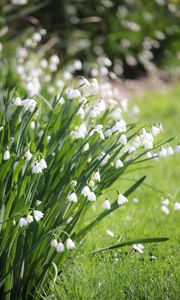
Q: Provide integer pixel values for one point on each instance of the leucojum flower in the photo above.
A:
(122, 200)
(6, 155)
(38, 166)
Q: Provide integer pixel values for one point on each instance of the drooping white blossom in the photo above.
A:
(23, 222)
(169, 151)
(105, 159)
(73, 93)
(108, 132)
(123, 139)
(91, 196)
(165, 209)
(43, 163)
(120, 126)
(86, 147)
(36, 168)
(148, 154)
(146, 139)
(176, 206)
(72, 197)
(54, 243)
(69, 220)
(70, 244)
(122, 199)
(97, 176)
(29, 104)
(29, 219)
(165, 202)
(98, 109)
(38, 215)
(156, 130)
(32, 125)
(60, 247)
(17, 101)
(85, 191)
(110, 233)
(138, 248)
(79, 133)
(6, 155)
(61, 100)
(99, 130)
(106, 204)
(81, 112)
(162, 152)
(119, 164)
(177, 149)
(28, 155)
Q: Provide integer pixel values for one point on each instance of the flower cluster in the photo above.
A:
(38, 166)
(165, 206)
(24, 221)
(60, 247)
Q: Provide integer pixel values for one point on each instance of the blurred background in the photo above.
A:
(125, 39)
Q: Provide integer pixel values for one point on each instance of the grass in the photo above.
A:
(123, 274)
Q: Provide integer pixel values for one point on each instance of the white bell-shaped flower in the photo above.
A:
(29, 104)
(29, 219)
(54, 243)
(123, 139)
(108, 132)
(177, 149)
(17, 101)
(85, 191)
(6, 155)
(169, 151)
(162, 152)
(36, 168)
(60, 247)
(120, 126)
(106, 204)
(155, 130)
(122, 200)
(138, 248)
(38, 215)
(43, 163)
(70, 244)
(119, 164)
(91, 197)
(165, 202)
(72, 197)
(165, 209)
(23, 222)
(176, 206)
(97, 176)
(110, 233)
(28, 155)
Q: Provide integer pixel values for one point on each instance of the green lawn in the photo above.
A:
(126, 275)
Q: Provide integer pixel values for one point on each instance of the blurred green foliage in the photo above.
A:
(136, 35)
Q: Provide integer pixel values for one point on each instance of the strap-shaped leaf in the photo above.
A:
(138, 241)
